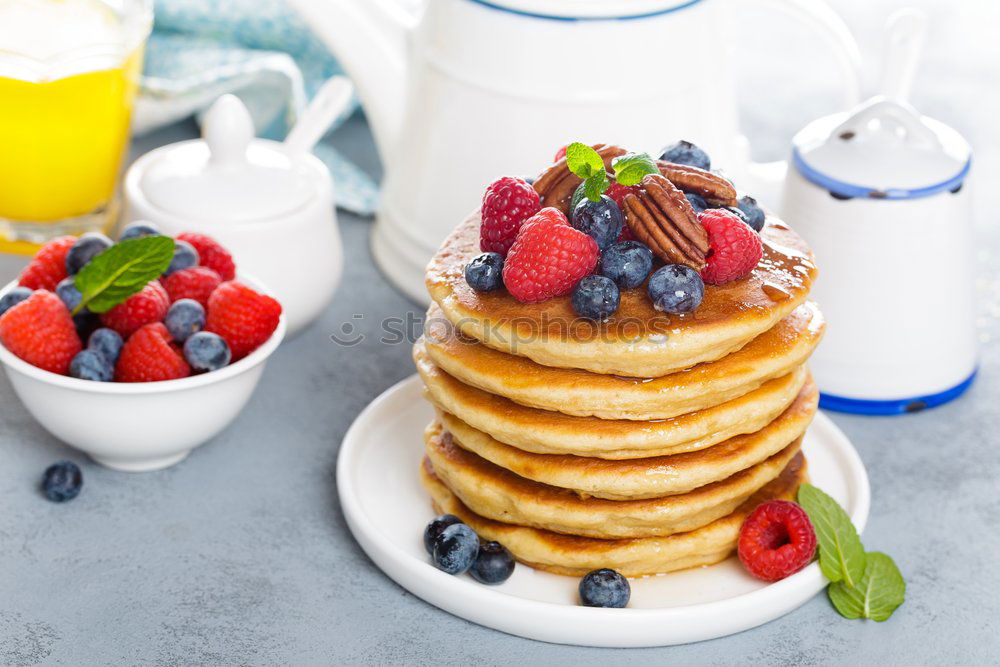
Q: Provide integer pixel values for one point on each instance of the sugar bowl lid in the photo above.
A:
(883, 149)
(228, 175)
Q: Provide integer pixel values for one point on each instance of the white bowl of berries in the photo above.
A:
(135, 352)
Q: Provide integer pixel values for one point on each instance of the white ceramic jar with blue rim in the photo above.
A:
(880, 193)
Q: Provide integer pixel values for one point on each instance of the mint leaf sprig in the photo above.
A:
(121, 271)
(586, 163)
(862, 584)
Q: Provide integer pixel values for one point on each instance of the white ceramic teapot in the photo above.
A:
(270, 203)
(474, 89)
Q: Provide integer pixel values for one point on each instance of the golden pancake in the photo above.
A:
(496, 493)
(774, 353)
(642, 478)
(576, 556)
(637, 341)
(546, 432)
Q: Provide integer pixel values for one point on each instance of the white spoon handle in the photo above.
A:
(325, 106)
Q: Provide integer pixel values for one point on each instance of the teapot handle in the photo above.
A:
(766, 178)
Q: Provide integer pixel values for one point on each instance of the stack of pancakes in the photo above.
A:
(638, 444)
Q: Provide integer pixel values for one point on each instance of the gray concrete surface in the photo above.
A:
(240, 554)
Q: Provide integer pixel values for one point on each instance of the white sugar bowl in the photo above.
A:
(881, 195)
(269, 203)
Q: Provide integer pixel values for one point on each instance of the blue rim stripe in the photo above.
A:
(854, 190)
(552, 17)
(860, 406)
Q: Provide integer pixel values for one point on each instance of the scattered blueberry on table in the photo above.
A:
(62, 481)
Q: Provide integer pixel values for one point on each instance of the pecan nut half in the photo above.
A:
(716, 190)
(661, 217)
(557, 184)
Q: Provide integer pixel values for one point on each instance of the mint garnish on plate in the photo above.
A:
(121, 271)
(862, 585)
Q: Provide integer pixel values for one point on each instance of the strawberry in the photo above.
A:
(734, 247)
(507, 203)
(196, 282)
(48, 266)
(148, 305)
(243, 317)
(149, 356)
(40, 331)
(548, 258)
(211, 254)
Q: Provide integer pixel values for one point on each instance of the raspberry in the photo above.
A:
(41, 331)
(196, 282)
(148, 305)
(548, 258)
(148, 356)
(618, 191)
(48, 266)
(735, 248)
(243, 317)
(211, 254)
(507, 203)
(776, 540)
(561, 153)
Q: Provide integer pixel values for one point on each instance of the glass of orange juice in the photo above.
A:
(69, 70)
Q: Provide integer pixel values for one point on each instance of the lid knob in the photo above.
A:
(227, 129)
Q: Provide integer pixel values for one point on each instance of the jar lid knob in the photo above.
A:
(227, 129)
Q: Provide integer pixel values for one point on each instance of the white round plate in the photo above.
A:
(387, 509)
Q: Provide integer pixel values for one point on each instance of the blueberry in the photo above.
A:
(676, 288)
(604, 588)
(70, 295)
(91, 365)
(15, 296)
(485, 272)
(493, 565)
(62, 481)
(684, 152)
(185, 317)
(627, 263)
(86, 323)
(85, 249)
(106, 342)
(455, 549)
(595, 298)
(698, 202)
(139, 230)
(752, 211)
(185, 256)
(737, 212)
(602, 220)
(435, 527)
(206, 351)
(530, 180)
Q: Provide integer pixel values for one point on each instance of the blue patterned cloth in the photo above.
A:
(259, 50)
